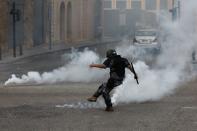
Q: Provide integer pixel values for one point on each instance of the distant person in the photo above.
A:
(117, 66)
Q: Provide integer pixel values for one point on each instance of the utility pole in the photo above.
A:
(50, 24)
(99, 20)
(176, 10)
(179, 9)
(16, 17)
(0, 53)
(13, 13)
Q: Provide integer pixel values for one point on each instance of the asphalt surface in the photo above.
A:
(35, 107)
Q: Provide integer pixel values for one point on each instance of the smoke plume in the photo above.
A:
(77, 70)
(170, 70)
(173, 65)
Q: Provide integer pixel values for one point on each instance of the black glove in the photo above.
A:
(136, 77)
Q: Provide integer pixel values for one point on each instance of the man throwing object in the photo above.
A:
(117, 66)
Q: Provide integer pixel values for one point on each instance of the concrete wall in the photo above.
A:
(3, 24)
(114, 17)
(28, 23)
(82, 20)
(111, 23)
(42, 21)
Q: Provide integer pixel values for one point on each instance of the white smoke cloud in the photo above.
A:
(77, 70)
(154, 84)
(173, 65)
(170, 71)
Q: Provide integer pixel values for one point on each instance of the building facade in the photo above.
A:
(124, 16)
(48, 22)
(73, 20)
(3, 25)
(138, 4)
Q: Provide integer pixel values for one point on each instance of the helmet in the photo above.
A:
(110, 53)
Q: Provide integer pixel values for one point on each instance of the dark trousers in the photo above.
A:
(105, 89)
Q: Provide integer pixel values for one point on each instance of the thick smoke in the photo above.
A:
(171, 68)
(77, 70)
(173, 65)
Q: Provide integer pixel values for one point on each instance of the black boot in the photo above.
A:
(109, 109)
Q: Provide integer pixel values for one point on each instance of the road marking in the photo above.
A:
(65, 105)
(190, 107)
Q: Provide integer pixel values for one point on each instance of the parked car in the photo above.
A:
(146, 43)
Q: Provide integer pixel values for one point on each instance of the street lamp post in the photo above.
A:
(179, 9)
(13, 13)
(50, 24)
(16, 13)
(176, 10)
(0, 53)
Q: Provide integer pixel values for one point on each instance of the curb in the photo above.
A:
(47, 51)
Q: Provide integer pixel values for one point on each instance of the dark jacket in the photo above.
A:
(117, 66)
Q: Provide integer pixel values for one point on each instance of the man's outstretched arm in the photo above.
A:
(102, 66)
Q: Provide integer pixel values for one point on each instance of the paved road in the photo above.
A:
(34, 107)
